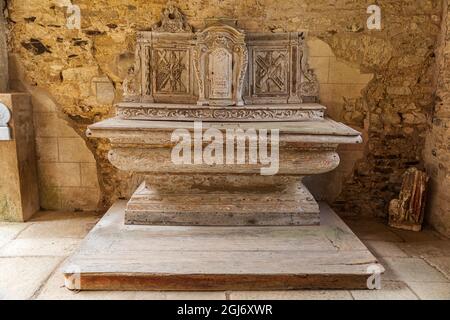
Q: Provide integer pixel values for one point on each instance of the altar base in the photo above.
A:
(115, 256)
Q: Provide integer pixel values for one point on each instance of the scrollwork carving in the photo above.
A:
(172, 20)
(219, 114)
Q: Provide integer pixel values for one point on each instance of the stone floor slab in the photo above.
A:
(410, 269)
(384, 249)
(440, 263)
(40, 247)
(424, 275)
(438, 248)
(292, 295)
(372, 229)
(47, 216)
(390, 290)
(431, 290)
(21, 277)
(73, 228)
(9, 231)
(412, 236)
(179, 295)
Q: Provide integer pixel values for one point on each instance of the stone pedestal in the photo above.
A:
(19, 198)
(222, 200)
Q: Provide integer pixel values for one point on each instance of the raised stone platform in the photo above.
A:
(115, 256)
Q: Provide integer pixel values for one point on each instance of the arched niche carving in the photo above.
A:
(220, 64)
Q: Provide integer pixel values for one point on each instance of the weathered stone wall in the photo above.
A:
(83, 69)
(4, 79)
(437, 146)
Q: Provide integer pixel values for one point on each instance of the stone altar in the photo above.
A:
(231, 81)
(215, 213)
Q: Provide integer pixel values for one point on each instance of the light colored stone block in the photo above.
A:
(21, 277)
(104, 90)
(431, 290)
(427, 249)
(321, 67)
(41, 101)
(390, 290)
(49, 197)
(334, 95)
(343, 73)
(46, 124)
(49, 124)
(411, 269)
(89, 176)
(291, 295)
(47, 149)
(69, 226)
(85, 199)
(440, 263)
(425, 235)
(65, 130)
(80, 74)
(319, 48)
(372, 229)
(9, 231)
(385, 249)
(74, 150)
(53, 247)
(179, 295)
(60, 174)
(325, 95)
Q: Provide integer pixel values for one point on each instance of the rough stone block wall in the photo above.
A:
(83, 70)
(4, 79)
(437, 146)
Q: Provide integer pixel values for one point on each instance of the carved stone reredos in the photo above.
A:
(219, 66)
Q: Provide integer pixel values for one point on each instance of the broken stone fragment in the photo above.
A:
(407, 211)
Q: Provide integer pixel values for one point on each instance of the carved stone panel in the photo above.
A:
(271, 71)
(171, 74)
(278, 71)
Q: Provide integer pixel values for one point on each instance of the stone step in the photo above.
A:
(119, 257)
